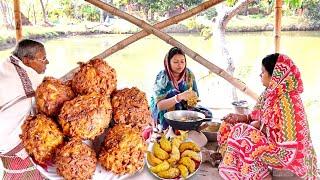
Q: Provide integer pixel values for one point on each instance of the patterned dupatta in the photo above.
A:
(285, 119)
(286, 144)
(283, 106)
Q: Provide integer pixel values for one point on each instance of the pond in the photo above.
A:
(138, 64)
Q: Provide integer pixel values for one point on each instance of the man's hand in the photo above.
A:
(235, 118)
(256, 124)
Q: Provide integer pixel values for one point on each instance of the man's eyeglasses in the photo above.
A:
(44, 59)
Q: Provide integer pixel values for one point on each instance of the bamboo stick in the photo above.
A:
(170, 40)
(17, 17)
(277, 27)
(141, 34)
(124, 43)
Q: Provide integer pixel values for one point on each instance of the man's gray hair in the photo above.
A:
(27, 48)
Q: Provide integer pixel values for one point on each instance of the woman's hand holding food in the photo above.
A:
(185, 95)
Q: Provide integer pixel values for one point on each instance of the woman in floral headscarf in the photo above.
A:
(276, 134)
(173, 86)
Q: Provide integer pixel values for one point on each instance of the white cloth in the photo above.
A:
(11, 88)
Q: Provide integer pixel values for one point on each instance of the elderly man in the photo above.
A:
(20, 75)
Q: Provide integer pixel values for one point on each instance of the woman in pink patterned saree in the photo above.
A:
(275, 134)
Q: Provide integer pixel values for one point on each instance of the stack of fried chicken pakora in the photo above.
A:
(82, 109)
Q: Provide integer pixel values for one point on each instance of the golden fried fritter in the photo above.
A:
(189, 163)
(192, 154)
(152, 160)
(189, 145)
(123, 150)
(76, 160)
(171, 173)
(95, 76)
(158, 152)
(160, 167)
(130, 106)
(183, 170)
(41, 137)
(86, 116)
(193, 100)
(174, 156)
(165, 144)
(51, 94)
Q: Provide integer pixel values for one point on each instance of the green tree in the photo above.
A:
(312, 10)
(89, 12)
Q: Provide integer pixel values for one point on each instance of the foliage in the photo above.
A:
(293, 4)
(231, 2)
(312, 10)
(210, 13)
(266, 6)
(120, 2)
(68, 8)
(90, 13)
(192, 24)
(160, 6)
(74, 10)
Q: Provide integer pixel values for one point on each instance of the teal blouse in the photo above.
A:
(164, 89)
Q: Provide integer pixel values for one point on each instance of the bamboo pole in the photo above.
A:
(17, 17)
(141, 34)
(277, 27)
(170, 40)
(131, 39)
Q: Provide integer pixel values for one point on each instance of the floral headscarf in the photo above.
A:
(283, 91)
(168, 70)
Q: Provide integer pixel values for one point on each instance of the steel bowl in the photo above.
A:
(211, 131)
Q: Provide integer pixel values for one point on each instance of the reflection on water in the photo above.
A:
(138, 64)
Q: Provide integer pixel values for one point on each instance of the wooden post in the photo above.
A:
(170, 40)
(277, 25)
(17, 17)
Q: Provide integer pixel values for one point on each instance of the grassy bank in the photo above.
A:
(255, 23)
(237, 24)
(7, 37)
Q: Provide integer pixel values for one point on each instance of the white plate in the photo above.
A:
(100, 173)
(150, 146)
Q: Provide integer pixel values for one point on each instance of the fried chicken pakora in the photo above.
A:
(95, 76)
(51, 94)
(41, 137)
(86, 116)
(123, 150)
(130, 106)
(76, 160)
